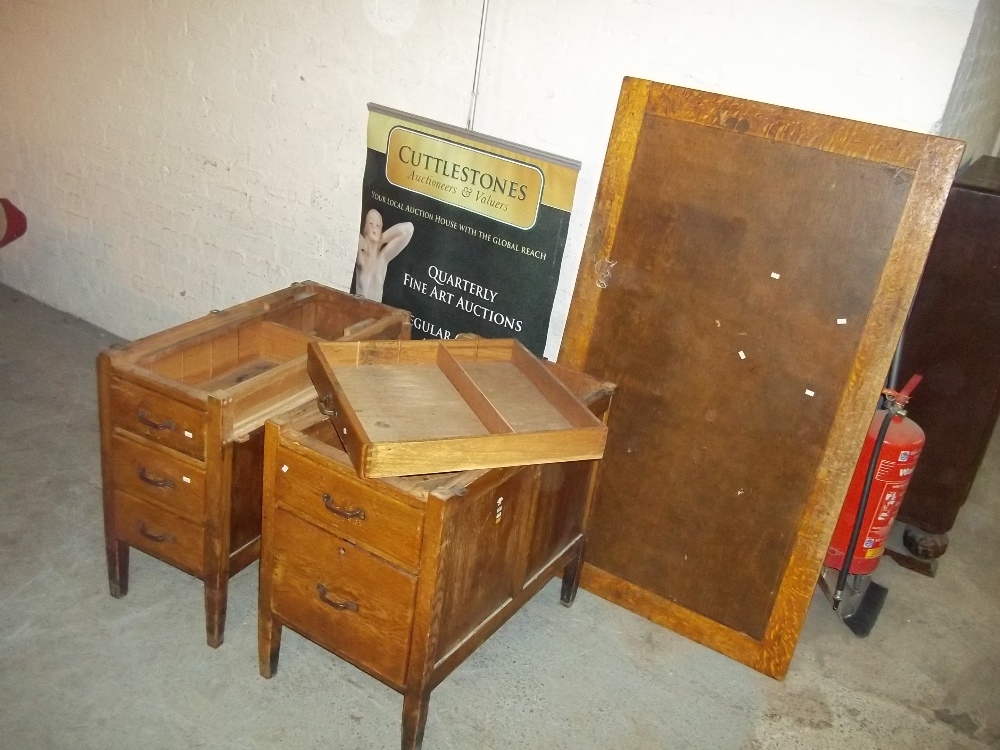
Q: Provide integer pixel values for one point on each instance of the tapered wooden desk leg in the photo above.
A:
(571, 578)
(117, 551)
(415, 704)
(268, 644)
(215, 611)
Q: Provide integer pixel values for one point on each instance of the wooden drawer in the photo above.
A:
(159, 533)
(152, 474)
(331, 495)
(342, 597)
(158, 418)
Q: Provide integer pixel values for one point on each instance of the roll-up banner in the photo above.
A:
(465, 231)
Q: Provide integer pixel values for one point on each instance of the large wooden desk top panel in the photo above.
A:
(746, 274)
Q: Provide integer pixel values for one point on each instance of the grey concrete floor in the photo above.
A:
(79, 669)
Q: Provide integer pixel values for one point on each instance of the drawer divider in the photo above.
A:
(481, 406)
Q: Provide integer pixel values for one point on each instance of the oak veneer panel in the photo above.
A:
(331, 323)
(485, 544)
(728, 239)
(250, 342)
(198, 363)
(225, 353)
(407, 402)
(247, 486)
(171, 367)
(557, 522)
(519, 402)
(744, 439)
(376, 634)
(291, 317)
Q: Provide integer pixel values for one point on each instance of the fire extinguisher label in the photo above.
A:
(886, 470)
(904, 455)
(882, 522)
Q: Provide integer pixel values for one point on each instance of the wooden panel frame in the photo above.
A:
(934, 161)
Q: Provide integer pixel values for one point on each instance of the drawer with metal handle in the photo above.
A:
(347, 600)
(159, 533)
(150, 473)
(332, 496)
(159, 418)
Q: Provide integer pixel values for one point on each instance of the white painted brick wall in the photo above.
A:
(175, 156)
(973, 110)
(890, 63)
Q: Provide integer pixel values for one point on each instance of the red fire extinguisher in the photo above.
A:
(876, 490)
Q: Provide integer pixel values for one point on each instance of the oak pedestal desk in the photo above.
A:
(181, 428)
(405, 577)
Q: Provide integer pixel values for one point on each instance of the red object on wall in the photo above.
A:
(896, 461)
(13, 224)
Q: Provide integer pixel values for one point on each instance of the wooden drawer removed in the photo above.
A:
(347, 600)
(426, 407)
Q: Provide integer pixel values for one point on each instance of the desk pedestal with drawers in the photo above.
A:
(181, 428)
(406, 577)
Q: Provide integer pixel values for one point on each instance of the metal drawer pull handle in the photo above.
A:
(154, 537)
(326, 408)
(343, 606)
(358, 513)
(144, 418)
(145, 477)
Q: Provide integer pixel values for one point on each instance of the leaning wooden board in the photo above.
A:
(746, 275)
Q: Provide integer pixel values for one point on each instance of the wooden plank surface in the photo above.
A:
(407, 402)
(250, 369)
(516, 398)
(745, 277)
(483, 452)
(718, 378)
